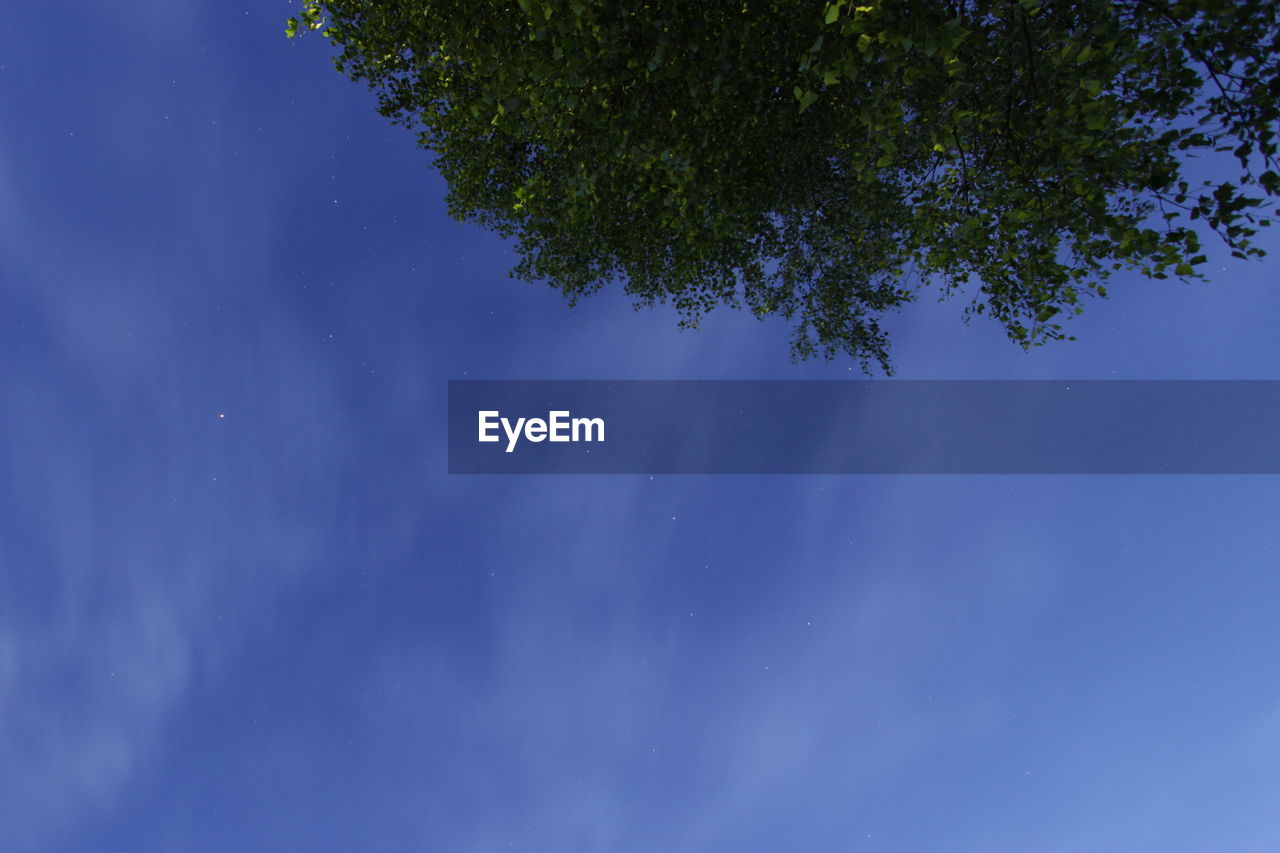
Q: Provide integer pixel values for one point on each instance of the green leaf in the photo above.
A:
(1015, 154)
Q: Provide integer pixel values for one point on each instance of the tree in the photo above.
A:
(822, 162)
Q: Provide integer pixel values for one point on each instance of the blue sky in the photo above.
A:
(243, 606)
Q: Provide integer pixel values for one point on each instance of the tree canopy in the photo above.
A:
(823, 161)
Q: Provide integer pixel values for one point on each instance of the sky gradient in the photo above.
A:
(244, 607)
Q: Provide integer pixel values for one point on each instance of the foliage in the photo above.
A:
(811, 160)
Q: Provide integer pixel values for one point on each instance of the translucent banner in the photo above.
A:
(864, 427)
